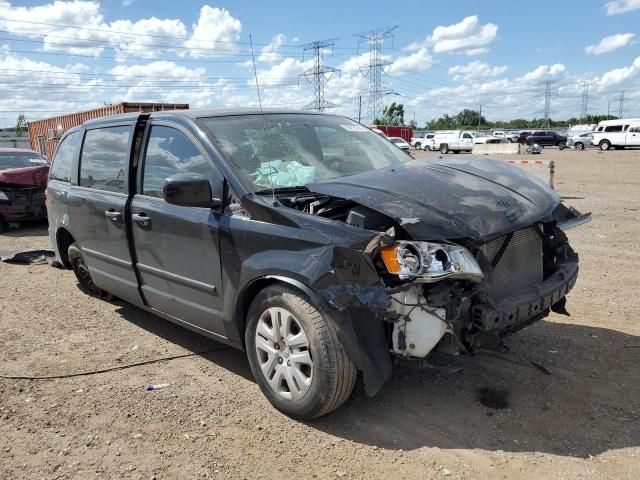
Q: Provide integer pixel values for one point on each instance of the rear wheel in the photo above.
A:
(295, 354)
(605, 145)
(444, 148)
(417, 146)
(79, 267)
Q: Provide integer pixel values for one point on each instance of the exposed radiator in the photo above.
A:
(520, 266)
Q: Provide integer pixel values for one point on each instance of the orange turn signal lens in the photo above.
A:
(390, 258)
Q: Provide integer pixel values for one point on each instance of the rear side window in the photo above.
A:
(105, 159)
(63, 160)
(169, 151)
(613, 128)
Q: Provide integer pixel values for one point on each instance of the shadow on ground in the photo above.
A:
(37, 228)
(585, 403)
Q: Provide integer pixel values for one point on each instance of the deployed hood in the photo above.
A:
(460, 197)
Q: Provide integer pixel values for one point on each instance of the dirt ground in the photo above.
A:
(582, 420)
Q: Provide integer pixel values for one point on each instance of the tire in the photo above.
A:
(578, 146)
(80, 269)
(605, 145)
(444, 148)
(330, 374)
(417, 146)
(562, 145)
(509, 140)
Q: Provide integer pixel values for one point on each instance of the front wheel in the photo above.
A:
(295, 354)
(417, 146)
(578, 146)
(605, 145)
(444, 148)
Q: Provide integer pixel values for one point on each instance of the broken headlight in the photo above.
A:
(430, 262)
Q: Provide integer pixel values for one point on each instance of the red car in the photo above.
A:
(23, 180)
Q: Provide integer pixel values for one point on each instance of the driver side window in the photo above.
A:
(169, 151)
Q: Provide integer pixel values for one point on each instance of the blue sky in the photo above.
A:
(62, 56)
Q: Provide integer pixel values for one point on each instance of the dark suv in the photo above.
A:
(546, 138)
(308, 241)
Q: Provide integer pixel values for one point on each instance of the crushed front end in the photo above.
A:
(463, 295)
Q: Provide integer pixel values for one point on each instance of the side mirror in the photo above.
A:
(189, 190)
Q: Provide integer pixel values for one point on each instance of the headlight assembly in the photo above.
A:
(429, 262)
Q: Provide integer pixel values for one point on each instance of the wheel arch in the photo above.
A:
(255, 286)
(64, 239)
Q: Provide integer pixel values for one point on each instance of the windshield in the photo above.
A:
(397, 140)
(293, 150)
(20, 160)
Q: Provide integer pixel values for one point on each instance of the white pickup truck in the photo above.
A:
(422, 143)
(617, 133)
(460, 140)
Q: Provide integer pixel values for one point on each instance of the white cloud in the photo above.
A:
(214, 33)
(610, 44)
(475, 70)
(285, 72)
(621, 6)
(619, 75)
(271, 51)
(414, 62)
(158, 69)
(215, 29)
(545, 72)
(468, 37)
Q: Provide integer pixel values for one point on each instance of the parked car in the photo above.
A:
(617, 133)
(422, 143)
(483, 138)
(23, 179)
(580, 141)
(307, 241)
(400, 143)
(546, 138)
(522, 135)
(509, 137)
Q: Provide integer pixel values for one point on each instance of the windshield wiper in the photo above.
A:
(268, 191)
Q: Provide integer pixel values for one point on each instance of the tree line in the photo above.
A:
(468, 119)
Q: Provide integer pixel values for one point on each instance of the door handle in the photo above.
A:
(114, 216)
(141, 219)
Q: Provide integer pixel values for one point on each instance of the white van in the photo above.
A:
(617, 133)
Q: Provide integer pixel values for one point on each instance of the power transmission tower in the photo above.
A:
(548, 84)
(375, 69)
(319, 74)
(621, 104)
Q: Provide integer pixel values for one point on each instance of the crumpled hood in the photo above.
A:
(453, 197)
(27, 176)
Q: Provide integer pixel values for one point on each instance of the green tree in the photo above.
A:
(393, 114)
(21, 125)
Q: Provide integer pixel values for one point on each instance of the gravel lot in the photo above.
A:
(580, 421)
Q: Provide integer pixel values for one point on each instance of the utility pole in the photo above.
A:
(480, 117)
(375, 69)
(621, 104)
(319, 74)
(359, 108)
(547, 102)
(609, 111)
(585, 99)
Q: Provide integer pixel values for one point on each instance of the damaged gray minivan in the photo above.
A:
(307, 240)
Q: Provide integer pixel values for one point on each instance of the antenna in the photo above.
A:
(264, 130)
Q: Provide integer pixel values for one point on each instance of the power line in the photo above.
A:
(318, 75)
(375, 69)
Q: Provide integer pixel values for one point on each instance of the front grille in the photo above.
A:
(519, 268)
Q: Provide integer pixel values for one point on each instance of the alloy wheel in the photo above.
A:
(283, 352)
